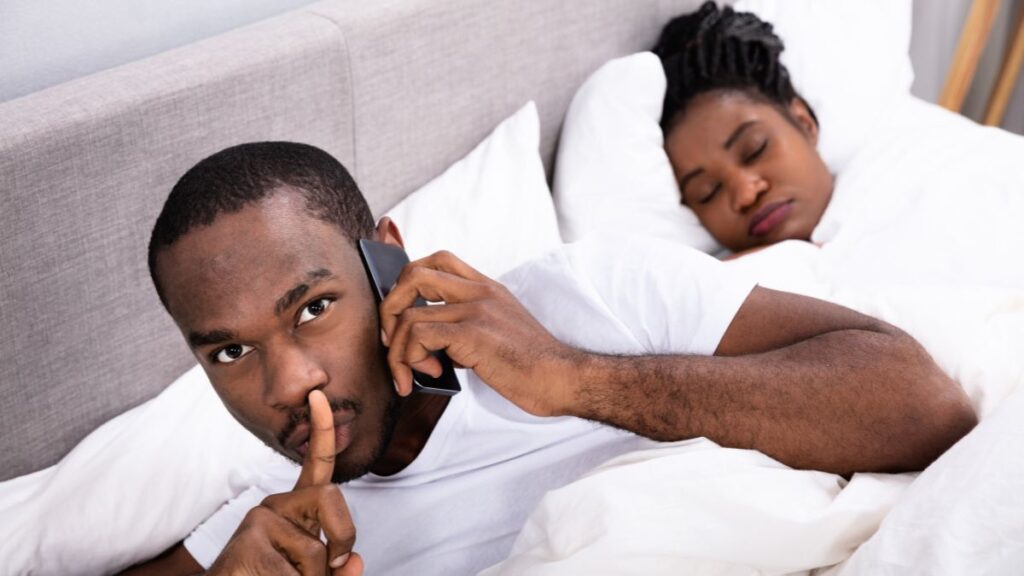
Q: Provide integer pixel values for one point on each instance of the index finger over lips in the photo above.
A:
(318, 466)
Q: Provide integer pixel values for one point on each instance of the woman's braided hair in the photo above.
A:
(714, 49)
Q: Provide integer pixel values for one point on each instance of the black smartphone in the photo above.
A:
(383, 263)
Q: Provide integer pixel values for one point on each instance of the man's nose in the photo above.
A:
(747, 189)
(291, 372)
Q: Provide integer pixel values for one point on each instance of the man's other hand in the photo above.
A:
(282, 534)
(481, 326)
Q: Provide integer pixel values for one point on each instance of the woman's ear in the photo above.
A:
(804, 118)
(387, 232)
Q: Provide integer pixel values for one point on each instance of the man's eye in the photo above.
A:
(314, 309)
(230, 353)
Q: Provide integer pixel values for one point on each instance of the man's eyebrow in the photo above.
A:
(292, 296)
(197, 339)
(737, 133)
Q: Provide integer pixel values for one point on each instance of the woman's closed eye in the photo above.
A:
(756, 153)
(313, 309)
(710, 195)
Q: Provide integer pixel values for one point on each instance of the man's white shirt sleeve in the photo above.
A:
(207, 541)
(674, 299)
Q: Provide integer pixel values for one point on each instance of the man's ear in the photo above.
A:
(804, 118)
(387, 232)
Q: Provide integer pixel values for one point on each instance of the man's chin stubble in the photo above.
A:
(347, 471)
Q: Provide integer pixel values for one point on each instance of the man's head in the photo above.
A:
(741, 141)
(254, 256)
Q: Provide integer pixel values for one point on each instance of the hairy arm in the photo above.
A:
(810, 383)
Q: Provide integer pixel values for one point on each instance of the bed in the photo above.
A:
(407, 94)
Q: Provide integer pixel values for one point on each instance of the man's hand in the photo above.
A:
(481, 326)
(282, 534)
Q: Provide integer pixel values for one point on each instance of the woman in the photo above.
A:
(741, 141)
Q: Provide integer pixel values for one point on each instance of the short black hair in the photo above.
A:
(721, 49)
(244, 175)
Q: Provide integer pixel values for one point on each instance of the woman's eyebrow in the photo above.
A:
(689, 176)
(737, 133)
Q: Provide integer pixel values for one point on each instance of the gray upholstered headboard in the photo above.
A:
(396, 89)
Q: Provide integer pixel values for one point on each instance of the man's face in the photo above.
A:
(749, 171)
(275, 303)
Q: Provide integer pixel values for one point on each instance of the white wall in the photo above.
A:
(46, 42)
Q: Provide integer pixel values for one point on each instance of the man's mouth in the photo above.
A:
(299, 439)
(769, 217)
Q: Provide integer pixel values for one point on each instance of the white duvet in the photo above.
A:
(926, 231)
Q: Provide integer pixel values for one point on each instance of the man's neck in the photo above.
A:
(417, 417)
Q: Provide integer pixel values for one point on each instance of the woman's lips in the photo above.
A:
(768, 218)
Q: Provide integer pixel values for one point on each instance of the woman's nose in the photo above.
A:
(290, 374)
(747, 190)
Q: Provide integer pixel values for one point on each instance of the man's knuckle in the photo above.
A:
(481, 308)
(492, 290)
(327, 491)
(415, 274)
(314, 550)
(408, 316)
(265, 509)
(346, 537)
(415, 331)
(324, 458)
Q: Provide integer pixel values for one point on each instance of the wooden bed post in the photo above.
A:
(968, 52)
(1008, 74)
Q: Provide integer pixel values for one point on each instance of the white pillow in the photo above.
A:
(144, 480)
(492, 209)
(850, 59)
(132, 488)
(612, 175)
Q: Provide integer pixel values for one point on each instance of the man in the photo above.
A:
(574, 358)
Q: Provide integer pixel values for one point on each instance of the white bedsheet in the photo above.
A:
(926, 231)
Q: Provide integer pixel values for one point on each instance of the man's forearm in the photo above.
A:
(843, 401)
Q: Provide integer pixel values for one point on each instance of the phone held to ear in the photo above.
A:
(384, 263)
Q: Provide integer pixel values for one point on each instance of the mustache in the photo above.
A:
(302, 416)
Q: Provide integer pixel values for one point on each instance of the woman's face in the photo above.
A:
(752, 175)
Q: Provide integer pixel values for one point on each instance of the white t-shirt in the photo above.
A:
(457, 508)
